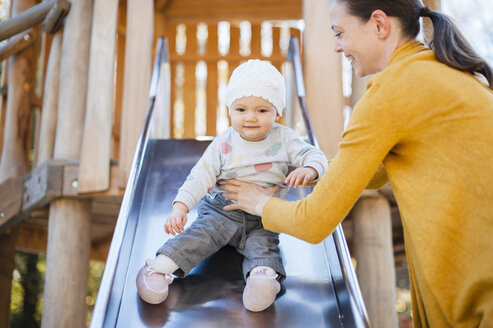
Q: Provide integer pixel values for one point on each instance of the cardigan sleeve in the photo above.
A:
(375, 127)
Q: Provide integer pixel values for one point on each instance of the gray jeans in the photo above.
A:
(215, 228)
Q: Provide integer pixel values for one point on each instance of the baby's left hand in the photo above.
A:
(301, 176)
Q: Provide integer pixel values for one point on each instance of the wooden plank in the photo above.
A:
(189, 87)
(3, 104)
(96, 140)
(10, 199)
(276, 48)
(212, 83)
(21, 20)
(70, 183)
(160, 122)
(323, 77)
(189, 96)
(374, 254)
(50, 102)
(67, 263)
(42, 185)
(256, 41)
(73, 80)
(171, 35)
(193, 11)
(186, 58)
(14, 161)
(69, 220)
(7, 265)
(15, 44)
(119, 78)
(18, 117)
(138, 64)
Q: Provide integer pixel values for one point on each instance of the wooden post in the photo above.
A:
(7, 265)
(69, 222)
(119, 73)
(50, 101)
(190, 85)
(94, 170)
(3, 106)
(212, 85)
(138, 64)
(372, 233)
(323, 76)
(14, 160)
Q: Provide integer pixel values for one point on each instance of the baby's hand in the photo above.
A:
(176, 221)
(301, 176)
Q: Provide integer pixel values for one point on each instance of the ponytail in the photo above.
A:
(452, 49)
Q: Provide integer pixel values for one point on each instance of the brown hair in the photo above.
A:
(450, 46)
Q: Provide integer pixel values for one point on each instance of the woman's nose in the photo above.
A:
(337, 46)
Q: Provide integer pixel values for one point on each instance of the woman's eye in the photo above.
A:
(338, 35)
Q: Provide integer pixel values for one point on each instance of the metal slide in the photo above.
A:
(320, 289)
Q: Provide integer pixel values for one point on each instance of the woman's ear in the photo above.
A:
(381, 22)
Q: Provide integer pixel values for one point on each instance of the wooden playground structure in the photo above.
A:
(76, 76)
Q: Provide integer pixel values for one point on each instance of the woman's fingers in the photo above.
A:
(231, 207)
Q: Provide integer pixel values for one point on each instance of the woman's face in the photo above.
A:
(357, 40)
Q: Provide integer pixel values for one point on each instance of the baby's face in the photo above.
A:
(253, 117)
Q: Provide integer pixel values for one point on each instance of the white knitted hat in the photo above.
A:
(260, 79)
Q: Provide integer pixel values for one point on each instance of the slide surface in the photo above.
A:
(314, 294)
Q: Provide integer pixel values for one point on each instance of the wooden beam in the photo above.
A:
(15, 45)
(119, 76)
(255, 11)
(138, 63)
(50, 102)
(10, 198)
(96, 143)
(25, 19)
(212, 81)
(67, 263)
(67, 257)
(7, 265)
(53, 179)
(375, 258)
(14, 160)
(161, 5)
(323, 76)
(34, 238)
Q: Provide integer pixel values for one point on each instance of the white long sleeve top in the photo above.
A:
(263, 162)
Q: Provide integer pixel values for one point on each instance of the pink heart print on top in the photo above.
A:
(263, 167)
(226, 147)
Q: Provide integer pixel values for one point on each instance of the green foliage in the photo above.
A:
(26, 305)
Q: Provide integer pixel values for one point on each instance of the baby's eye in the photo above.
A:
(239, 109)
(263, 110)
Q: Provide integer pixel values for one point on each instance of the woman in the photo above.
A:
(427, 115)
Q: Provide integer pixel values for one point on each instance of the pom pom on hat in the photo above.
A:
(260, 79)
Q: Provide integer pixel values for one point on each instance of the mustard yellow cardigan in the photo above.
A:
(432, 128)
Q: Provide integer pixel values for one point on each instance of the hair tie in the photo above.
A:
(425, 11)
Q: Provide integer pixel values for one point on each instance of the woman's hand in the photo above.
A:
(248, 197)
